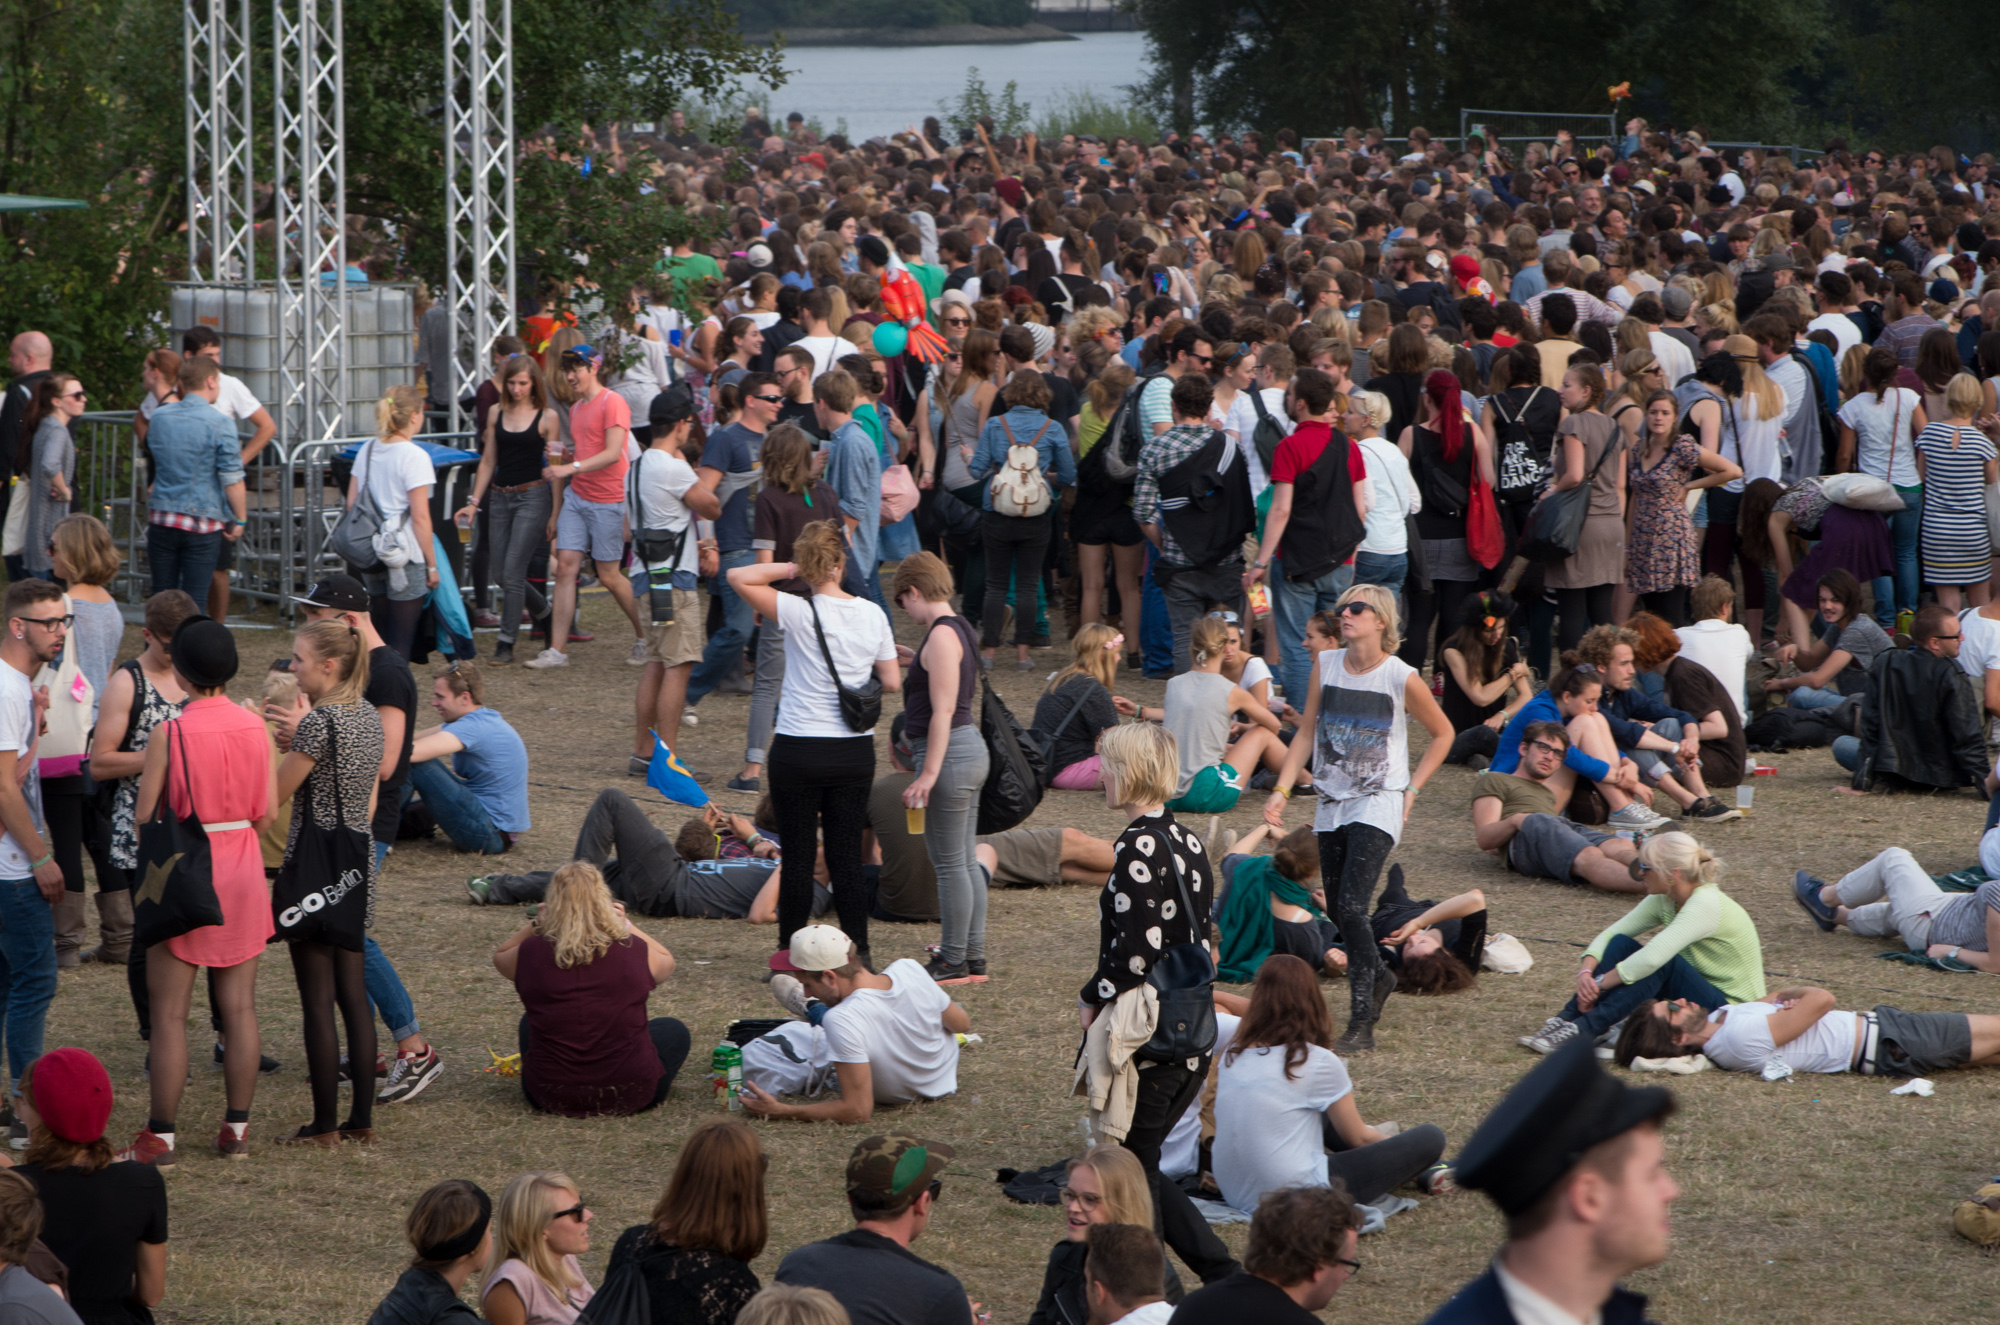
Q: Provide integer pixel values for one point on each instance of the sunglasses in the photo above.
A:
(71, 395)
(958, 322)
(575, 1212)
(1356, 608)
(1228, 617)
(770, 400)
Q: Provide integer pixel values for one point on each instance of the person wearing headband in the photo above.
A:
(450, 1229)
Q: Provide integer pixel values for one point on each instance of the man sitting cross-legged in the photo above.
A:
(1800, 1028)
(1514, 817)
(1592, 769)
(660, 876)
(1892, 894)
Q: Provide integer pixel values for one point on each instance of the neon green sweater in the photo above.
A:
(1715, 934)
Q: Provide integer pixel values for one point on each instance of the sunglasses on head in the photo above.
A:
(1226, 617)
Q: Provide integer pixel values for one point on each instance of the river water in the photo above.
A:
(883, 90)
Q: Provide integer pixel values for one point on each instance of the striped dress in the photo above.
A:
(1957, 547)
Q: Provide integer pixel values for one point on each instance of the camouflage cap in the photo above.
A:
(891, 1167)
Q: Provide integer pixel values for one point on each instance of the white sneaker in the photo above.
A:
(690, 719)
(548, 658)
(1550, 1038)
(791, 995)
(1633, 817)
(638, 658)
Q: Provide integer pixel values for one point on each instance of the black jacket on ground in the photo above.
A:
(1921, 723)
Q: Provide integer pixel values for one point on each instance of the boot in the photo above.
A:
(69, 929)
(114, 928)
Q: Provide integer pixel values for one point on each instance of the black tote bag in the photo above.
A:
(175, 890)
(1555, 525)
(321, 892)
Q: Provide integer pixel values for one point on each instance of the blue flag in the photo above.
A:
(668, 776)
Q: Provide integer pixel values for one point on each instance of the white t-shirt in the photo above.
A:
(17, 733)
(1845, 334)
(825, 350)
(1879, 424)
(858, 636)
(1180, 1153)
(1267, 1127)
(663, 478)
(1392, 495)
(236, 402)
(1979, 650)
(899, 1032)
(392, 471)
(1742, 1043)
(1674, 358)
(1753, 441)
(1724, 649)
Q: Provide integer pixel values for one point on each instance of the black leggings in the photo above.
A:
(1437, 606)
(1166, 1090)
(398, 621)
(328, 975)
(671, 1041)
(1350, 862)
(1670, 605)
(77, 824)
(820, 786)
(1581, 609)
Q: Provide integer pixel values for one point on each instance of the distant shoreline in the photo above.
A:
(954, 34)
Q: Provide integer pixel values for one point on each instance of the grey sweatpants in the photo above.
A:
(649, 869)
(1892, 894)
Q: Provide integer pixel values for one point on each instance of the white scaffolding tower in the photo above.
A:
(311, 184)
(479, 185)
(220, 201)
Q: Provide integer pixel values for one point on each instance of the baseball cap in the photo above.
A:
(1780, 260)
(342, 593)
(587, 352)
(1676, 301)
(1465, 267)
(889, 1168)
(758, 256)
(815, 948)
(671, 406)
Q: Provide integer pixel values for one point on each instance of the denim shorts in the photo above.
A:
(596, 527)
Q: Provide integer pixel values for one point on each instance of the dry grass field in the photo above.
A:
(1807, 1201)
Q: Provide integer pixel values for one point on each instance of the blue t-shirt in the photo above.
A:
(494, 764)
(733, 450)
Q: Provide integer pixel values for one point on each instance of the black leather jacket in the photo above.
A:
(1921, 721)
(422, 1297)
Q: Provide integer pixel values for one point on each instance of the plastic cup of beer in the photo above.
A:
(464, 523)
(1745, 794)
(915, 816)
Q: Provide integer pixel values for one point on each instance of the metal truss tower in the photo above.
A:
(220, 201)
(311, 185)
(479, 185)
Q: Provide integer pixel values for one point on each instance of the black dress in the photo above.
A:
(687, 1286)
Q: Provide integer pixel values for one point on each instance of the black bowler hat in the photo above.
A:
(204, 651)
(1543, 1126)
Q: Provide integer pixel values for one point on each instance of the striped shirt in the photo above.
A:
(1712, 931)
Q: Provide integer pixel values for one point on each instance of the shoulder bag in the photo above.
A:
(1184, 978)
(354, 534)
(64, 749)
(860, 708)
(321, 892)
(175, 890)
(1555, 526)
(659, 551)
(1013, 786)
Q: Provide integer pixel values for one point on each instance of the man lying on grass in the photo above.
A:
(1800, 1028)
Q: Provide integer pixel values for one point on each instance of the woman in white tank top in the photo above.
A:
(1353, 726)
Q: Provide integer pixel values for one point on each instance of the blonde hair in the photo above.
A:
(86, 548)
(1384, 604)
(521, 1219)
(1142, 763)
(577, 918)
(788, 1304)
(1375, 404)
(1128, 1196)
(1962, 396)
(1095, 658)
(1757, 384)
(1683, 855)
(341, 643)
(818, 552)
(398, 408)
(1207, 638)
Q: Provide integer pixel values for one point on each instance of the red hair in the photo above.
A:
(1442, 388)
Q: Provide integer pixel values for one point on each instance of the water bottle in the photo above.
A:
(726, 1070)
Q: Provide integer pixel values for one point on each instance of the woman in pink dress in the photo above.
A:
(213, 761)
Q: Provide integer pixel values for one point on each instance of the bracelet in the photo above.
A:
(1286, 792)
(37, 864)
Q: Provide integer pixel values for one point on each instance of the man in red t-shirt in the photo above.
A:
(592, 518)
(1293, 602)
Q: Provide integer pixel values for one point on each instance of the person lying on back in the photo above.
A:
(1801, 1028)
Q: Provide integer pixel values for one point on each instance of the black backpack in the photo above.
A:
(1782, 729)
(1115, 458)
(1268, 432)
(1520, 473)
(1014, 781)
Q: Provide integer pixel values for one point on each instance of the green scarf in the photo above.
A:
(1246, 916)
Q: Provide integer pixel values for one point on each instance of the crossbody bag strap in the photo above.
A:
(1180, 880)
(824, 651)
(1074, 709)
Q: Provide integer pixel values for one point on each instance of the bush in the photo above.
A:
(1084, 111)
(1009, 115)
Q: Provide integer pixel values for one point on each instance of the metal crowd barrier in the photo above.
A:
(290, 509)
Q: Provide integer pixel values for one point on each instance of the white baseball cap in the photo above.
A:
(815, 948)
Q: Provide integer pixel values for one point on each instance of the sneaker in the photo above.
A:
(1607, 1043)
(581, 636)
(1805, 891)
(1551, 1037)
(147, 1148)
(409, 1074)
(975, 967)
(347, 1069)
(791, 995)
(744, 784)
(947, 973)
(1636, 817)
(17, 1134)
(548, 658)
(1712, 811)
(486, 619)
(689, 718)
(1478, 763)
(265, 1063)
(637, 658)
(635, 767)
(231, 1146)
(503, 654)
(479, 890)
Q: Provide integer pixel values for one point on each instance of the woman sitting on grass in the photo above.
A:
(695, 1252)
(1082, 688)
(1199, 706)
(541, 1227)
(450, 1227)
(1283, 1100)
(1104, 1185)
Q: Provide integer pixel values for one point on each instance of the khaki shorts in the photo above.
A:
(1027, 857)
(681, 641)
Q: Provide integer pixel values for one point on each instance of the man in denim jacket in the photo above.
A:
(197, 496)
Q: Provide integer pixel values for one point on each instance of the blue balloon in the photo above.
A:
(891, 339)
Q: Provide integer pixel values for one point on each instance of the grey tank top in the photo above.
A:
(963, 424)
(1198, 716)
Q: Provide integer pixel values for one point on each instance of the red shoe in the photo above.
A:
(581, 637)
(231, 1146)
(485, 618)
(149, 1148)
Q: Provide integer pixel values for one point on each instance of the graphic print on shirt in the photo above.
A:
(1353, 742)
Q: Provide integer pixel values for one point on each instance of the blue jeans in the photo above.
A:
(725, 647)
(1815, 697)
(1904, 528)
(27, 971)
(1677, 979)
(385, 988)
(1292, 605)
(1847, 752)
(182, 559)
(1156, 632)
(1388, 569)
(458, 811)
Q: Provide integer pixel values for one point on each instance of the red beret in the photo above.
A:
(72, 1092)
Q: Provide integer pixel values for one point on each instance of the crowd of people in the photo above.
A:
(1335, 438)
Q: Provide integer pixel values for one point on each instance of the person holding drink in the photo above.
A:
(951, 759)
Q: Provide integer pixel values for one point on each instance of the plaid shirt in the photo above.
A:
(194, 524)
(1160, 455)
